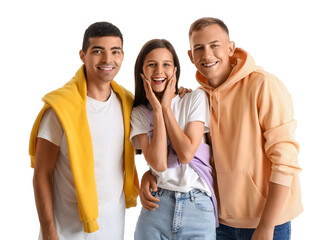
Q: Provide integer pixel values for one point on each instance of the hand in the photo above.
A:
(169, 91)
(182, 91)
(155, 103)
(147, 200)
(263, 233)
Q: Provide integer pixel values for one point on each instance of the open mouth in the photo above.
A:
(159, 80)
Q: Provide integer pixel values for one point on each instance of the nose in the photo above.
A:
(159, 69)
(207, 53)
(106, 57)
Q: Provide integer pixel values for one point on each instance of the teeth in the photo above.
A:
(158, 79)
(106, 68)
(209, 64)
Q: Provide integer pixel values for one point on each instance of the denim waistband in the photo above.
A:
(180, 195)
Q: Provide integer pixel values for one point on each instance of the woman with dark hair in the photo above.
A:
(169, 130)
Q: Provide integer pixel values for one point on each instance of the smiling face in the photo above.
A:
(210, 51)
(158, 67)
(102, 59)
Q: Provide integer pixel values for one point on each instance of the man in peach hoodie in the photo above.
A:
(252, 137)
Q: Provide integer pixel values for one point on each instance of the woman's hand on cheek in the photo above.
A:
(169, 92)
(155, 103)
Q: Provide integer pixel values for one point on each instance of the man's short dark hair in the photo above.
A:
(100, 29)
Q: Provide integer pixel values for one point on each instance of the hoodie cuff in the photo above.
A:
(90, 226)
(281, 179)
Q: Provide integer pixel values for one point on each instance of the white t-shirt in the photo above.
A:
(192, 107)
(105, 120)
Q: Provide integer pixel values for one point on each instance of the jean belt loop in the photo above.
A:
(192, 197)
(160, 191)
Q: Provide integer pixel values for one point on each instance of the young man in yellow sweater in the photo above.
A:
(252, 137)
(84, 171)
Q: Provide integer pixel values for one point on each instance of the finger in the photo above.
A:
(142, 76)
(146, 84)
(180, 90)
(148, 197)
(143, 204)
(171, 82)
(148, 203)
(153, 184)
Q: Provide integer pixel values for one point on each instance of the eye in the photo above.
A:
(198, 48)
(116, 52)
(166, 64)
(152, 64)
(215, 45)
(97, 51)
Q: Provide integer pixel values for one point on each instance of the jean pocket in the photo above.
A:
(204, 203)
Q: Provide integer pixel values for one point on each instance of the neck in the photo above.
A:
(100, 92)
(218, 81)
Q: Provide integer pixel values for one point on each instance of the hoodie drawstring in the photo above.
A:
(218, 104)
(218, 110)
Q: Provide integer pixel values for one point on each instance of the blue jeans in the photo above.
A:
(179, 216)
(223, 232)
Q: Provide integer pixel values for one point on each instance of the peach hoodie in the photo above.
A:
(252, 130)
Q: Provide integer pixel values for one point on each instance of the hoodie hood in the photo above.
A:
(242, 65)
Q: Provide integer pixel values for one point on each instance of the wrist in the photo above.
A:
(166, 108)
(157, 109)
(266, 224)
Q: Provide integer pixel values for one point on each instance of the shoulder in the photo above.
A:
(122, 90)
(261, 76)
(197, 94)
(141, 112)
(129, 96)
(268, 82)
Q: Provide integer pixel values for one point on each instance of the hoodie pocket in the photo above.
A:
(239, 196)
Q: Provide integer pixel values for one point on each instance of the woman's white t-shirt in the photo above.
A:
(193, 106)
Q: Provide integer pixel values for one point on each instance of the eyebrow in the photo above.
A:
(198, 45)
(156, 61)
(113, 48)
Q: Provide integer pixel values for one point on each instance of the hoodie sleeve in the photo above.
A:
(275, 111)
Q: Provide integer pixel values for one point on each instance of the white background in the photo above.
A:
(40, 41)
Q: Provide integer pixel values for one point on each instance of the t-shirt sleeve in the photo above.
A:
(50, 127)
(199, 108)
(139, 125)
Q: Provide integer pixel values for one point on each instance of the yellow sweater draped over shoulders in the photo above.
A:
(69, 103)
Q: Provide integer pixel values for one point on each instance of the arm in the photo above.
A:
(274, 204)
(185, 143)
(155, 152)
(276, 118)
(45, 159)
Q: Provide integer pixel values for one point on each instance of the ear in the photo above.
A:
(82, 56)
(190, 56)
(231, 48)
